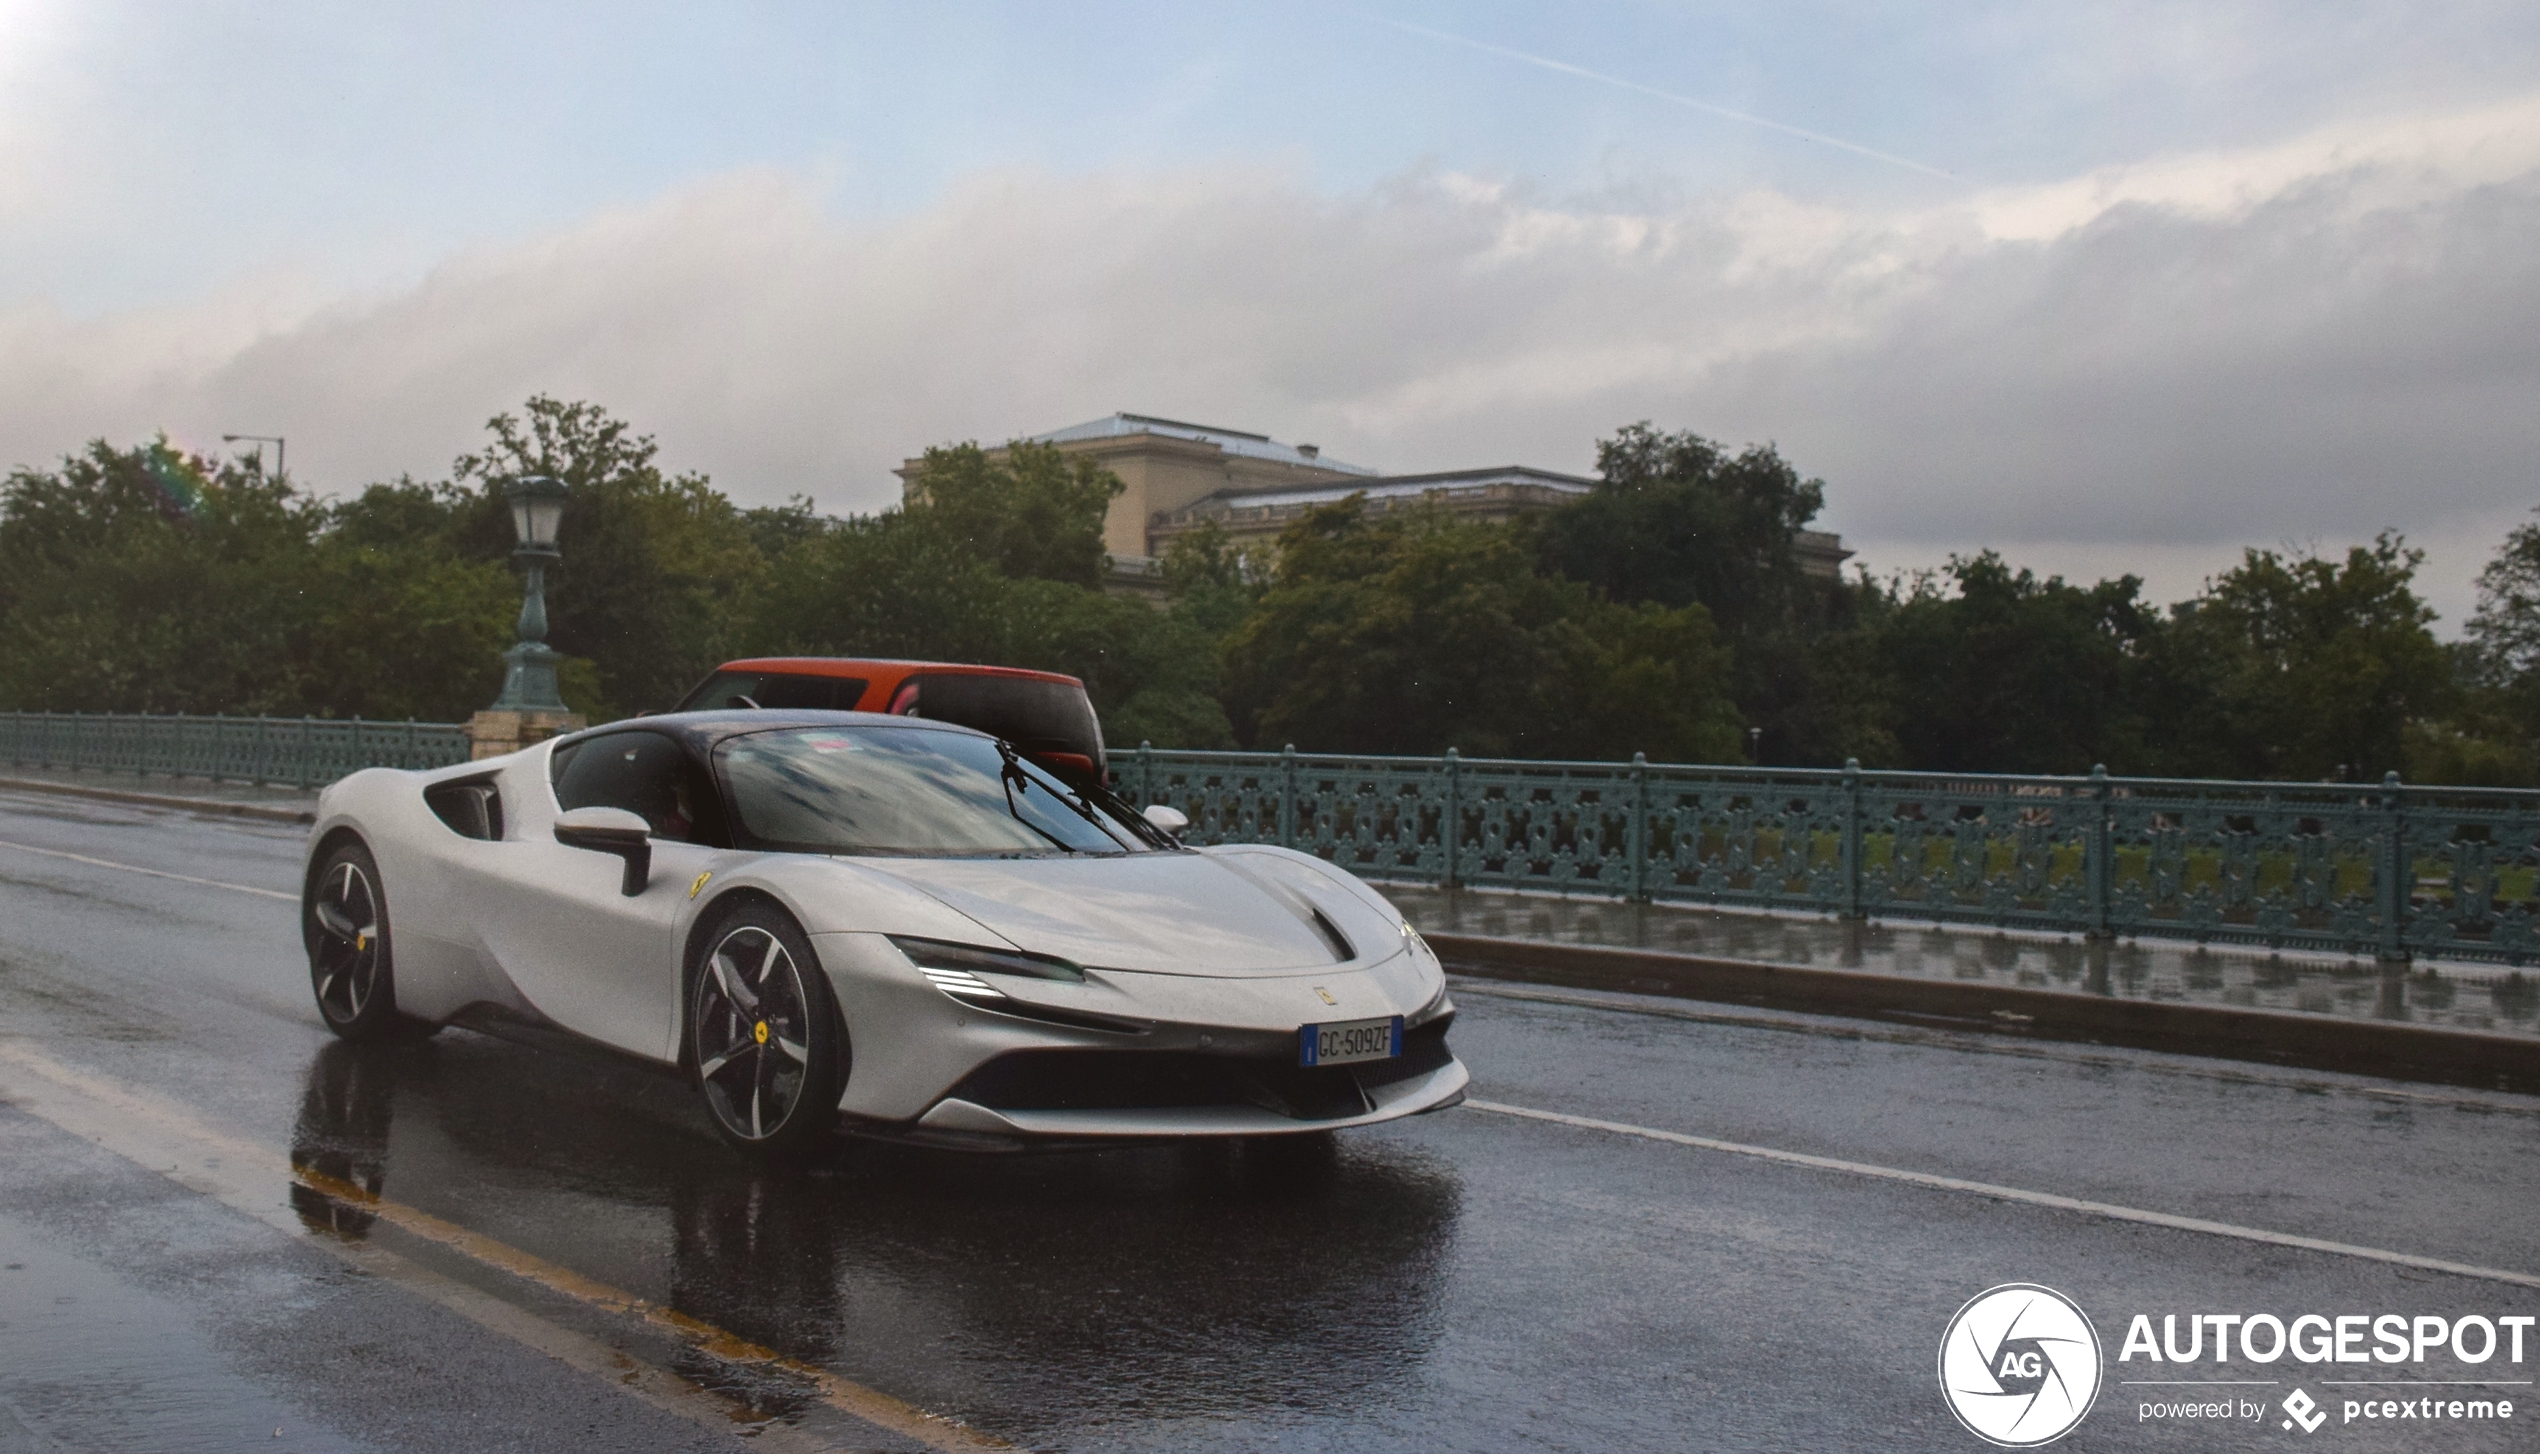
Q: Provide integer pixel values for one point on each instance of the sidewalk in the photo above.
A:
(2447, 996)
(158, 785)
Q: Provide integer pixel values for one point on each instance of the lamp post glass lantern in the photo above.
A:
(537, 508)
(529, 676)
(280, 463)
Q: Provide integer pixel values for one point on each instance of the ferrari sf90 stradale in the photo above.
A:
(907, 924)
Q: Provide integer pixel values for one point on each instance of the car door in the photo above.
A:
(590, 957)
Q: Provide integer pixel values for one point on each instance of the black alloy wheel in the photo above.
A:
(763, 1032)
(344, 922)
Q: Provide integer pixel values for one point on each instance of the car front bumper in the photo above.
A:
(1429, 1091)
(1190, 1056)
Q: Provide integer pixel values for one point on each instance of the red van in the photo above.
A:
(1044, 714)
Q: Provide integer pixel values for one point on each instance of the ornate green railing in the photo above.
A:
(302, 751)
(2384, 870)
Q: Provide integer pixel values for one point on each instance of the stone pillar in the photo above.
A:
(492, 733)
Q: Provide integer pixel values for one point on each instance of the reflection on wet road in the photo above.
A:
(917, 1271)
(476, 1227)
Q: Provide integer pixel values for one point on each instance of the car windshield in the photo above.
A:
(913, 790)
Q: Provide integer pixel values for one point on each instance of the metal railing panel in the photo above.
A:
(2382, 870)
(307, 752)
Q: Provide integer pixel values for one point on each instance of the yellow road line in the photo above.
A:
(251, 1178)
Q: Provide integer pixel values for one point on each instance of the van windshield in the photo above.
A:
(780, 691)
(912, 791)
(1043, 718)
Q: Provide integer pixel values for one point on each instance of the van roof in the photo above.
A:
(865, 666)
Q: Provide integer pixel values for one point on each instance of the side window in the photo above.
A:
(648, 775)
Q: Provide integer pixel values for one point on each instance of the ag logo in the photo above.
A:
(2019, 1365)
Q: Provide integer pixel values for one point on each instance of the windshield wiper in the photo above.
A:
(1013, 773)
(1075, 799)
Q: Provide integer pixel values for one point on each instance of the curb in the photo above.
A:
(2386, 1048)
(217, 806)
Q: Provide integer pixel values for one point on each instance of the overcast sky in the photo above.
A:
(2107, 289)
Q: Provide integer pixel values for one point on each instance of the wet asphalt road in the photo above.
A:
(1467, 1280)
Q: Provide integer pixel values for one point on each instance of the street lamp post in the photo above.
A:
(529, 676)
(530, 708)
(260, 441)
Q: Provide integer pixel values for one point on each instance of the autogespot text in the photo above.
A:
(2371, 1367)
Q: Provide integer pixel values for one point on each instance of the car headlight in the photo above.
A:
(955, 968)
(1438, 1007)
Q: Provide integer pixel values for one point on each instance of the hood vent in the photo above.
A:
(1333, 938)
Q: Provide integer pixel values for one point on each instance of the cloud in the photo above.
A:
(2309, 341)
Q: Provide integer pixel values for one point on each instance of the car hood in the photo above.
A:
(1162, 913)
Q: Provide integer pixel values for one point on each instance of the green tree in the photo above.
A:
(1152, 674)
(2493, 737)
(1411, 634)
(878, 585)
(1211, 582)
(417, 617)
(896, 584)
(2005, 672)
(150, 580)
(1679, 520)
(1033, 513)
(2301, 667)
(2503, 632)
(652, 565)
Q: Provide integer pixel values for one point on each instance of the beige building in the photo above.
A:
(1181, 476)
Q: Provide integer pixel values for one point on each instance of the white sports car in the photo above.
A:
(904, 923)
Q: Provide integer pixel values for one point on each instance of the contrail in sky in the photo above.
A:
(1570, 70)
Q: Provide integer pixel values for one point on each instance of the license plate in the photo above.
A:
(1350, 1041)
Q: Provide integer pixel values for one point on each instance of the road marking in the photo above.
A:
(183, 878)
(2014, 1194)
(253, 1179)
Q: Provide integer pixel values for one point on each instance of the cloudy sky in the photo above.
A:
(2108, 289)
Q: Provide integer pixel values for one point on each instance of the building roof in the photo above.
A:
(1386, 486)
(1233, 441)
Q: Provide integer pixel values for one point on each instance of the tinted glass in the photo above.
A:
(648, 775)
(777, 691)
(1036, 716)
(906, 790)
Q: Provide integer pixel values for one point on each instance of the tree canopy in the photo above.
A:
(1666, 612)
(1411, 634)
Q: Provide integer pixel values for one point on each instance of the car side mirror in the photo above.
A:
(612, 830)
(1171, 820)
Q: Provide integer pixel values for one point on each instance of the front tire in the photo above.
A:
(344, 922)
(763, 1033)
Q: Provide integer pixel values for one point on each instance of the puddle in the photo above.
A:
(89, 1363)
